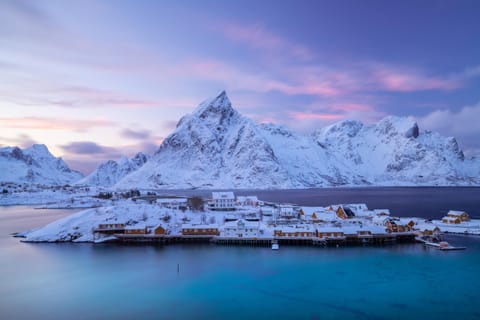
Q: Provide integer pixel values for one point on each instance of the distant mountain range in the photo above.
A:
(34, 165)
(217, 148)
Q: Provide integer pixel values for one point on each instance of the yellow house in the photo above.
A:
(158, 230)
(293, 233)
(462, 215)
(330, 233)
(200, 230)
(392, 226)
(136, 229)
(341, 213)
(451, 220)
(429, 232)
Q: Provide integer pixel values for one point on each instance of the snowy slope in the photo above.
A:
(110, 172)
(394, 152)
(78, 227)
(34, 165)
(216, 147)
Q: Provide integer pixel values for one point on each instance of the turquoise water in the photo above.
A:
(83, 281)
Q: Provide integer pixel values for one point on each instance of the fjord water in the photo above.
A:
(84, 281)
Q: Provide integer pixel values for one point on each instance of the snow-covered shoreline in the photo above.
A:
(262, 220)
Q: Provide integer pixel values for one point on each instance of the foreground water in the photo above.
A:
(83, 281)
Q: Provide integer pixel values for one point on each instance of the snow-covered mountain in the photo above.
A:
(110, 172)
(34, 165)
(216, 147)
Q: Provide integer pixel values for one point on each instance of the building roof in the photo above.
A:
(330, 229)
(450, 218)
(456, 213)
(296, 228)
(380, 211)
(311, 210)
(136, 226)
(247, 198)
(247, 224)
(223, 195)
(172, 200)
(199, 226)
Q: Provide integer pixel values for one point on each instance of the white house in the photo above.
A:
(222, 201)
(247, 201)
(241, 229)
(287, 211)
(172, 203)
(267, 211)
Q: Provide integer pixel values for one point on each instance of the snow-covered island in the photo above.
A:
(240, 219)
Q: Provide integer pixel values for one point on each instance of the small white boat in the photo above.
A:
(443, 245)
(275, 245)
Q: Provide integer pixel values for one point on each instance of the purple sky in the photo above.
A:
(97, 79)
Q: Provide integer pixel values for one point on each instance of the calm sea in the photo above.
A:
(84, 281)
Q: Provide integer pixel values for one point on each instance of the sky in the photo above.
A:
(95, 80)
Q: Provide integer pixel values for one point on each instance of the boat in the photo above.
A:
(443, 245)
(275, 245)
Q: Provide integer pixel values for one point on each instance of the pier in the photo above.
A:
(380, 239)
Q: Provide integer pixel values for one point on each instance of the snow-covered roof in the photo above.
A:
(247, 224)
(172, 200)
(296, 228)
(136, 226)
(382, 211)
(450, 218)
(310, 210)
(223, 195)
(456, 213)
(357, 206)
(380, 219)
(198, 226)
(247, 198)
(368, 228)
(330, 229)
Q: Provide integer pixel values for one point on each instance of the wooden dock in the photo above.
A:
(375, 239)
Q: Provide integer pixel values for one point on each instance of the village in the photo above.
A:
(229, 219)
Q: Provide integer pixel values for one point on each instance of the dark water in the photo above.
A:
(83, 281)
(425, 202)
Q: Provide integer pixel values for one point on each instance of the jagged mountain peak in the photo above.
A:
(110, 172)
(38, 148)
(216, 147)
(392, 125)
(218, 108)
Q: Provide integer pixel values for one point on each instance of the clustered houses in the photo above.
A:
(247, 218)
(455, 217)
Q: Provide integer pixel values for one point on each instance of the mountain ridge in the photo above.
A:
(216, 147)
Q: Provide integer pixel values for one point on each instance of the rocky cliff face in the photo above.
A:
(216, 147)
(34, 165)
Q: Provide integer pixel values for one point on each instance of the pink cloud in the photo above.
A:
(316, 116)
(392, 79)
(258, 37)
(38, 123)
(350, 107)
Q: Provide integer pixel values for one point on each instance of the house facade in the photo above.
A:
(222, 201)
(241, 229)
